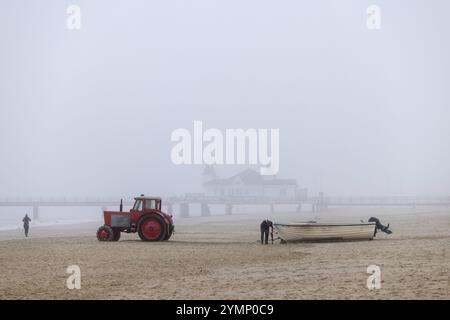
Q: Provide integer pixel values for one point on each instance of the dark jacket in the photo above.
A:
(26, 220)
(266, 225)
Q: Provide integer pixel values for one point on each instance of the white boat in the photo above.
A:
(314, 231)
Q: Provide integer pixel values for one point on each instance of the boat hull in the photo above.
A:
(325, 232)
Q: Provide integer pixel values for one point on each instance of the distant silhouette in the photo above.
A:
(26, 224)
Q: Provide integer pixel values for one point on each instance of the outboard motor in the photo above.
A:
(379, 226)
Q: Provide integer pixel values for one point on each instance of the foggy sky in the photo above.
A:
(90, 112)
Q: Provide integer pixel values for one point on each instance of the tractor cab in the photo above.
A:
(143, 203)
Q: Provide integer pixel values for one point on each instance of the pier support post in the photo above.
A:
(35, 213)
(184, 210)
(205, 210)
(229, 209)
(321, 202)
(299, 208)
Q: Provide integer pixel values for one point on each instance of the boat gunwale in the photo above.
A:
(306, 224)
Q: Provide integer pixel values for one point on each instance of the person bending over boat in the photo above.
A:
(266, 227)
(380, 226)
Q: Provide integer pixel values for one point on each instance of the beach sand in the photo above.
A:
(219, 257)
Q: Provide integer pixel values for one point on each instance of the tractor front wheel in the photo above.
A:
(152, 228)
(105, 233)
(116, 235)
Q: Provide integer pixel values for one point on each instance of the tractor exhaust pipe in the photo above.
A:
(121, 205)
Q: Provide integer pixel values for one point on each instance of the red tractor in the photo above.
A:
(145, 217)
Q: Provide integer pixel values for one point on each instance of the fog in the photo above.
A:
(90, 112)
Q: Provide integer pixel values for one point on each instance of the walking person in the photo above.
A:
(265, 227)
(26, 224)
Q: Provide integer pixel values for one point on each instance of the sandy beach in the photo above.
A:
(218, 257)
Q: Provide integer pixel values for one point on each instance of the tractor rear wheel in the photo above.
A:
(169, 233)
(116, 235)
(152, 228)
(105, 233)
